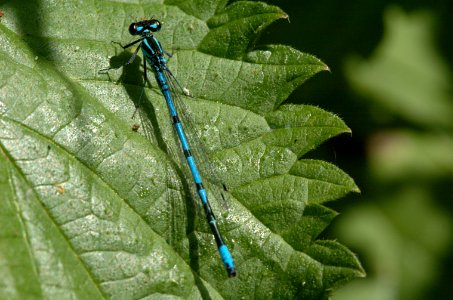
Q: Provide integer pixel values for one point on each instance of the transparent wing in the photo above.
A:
(170, 208)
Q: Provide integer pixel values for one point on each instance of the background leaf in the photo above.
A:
(407, 163)
(104, 213)
(391, 68)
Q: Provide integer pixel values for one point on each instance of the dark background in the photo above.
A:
(400, 224)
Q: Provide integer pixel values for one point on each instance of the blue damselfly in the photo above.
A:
(153, 55)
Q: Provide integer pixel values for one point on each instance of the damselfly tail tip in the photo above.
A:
(231, 272)
(227, 259)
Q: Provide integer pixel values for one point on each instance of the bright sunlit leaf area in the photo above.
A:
(96, 200)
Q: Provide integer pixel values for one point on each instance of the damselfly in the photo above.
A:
(153, 54)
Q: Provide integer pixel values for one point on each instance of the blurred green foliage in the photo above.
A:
(391, 82)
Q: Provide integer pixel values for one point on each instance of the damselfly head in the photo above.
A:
(144, 27)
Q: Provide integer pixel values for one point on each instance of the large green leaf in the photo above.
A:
(92, 209)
